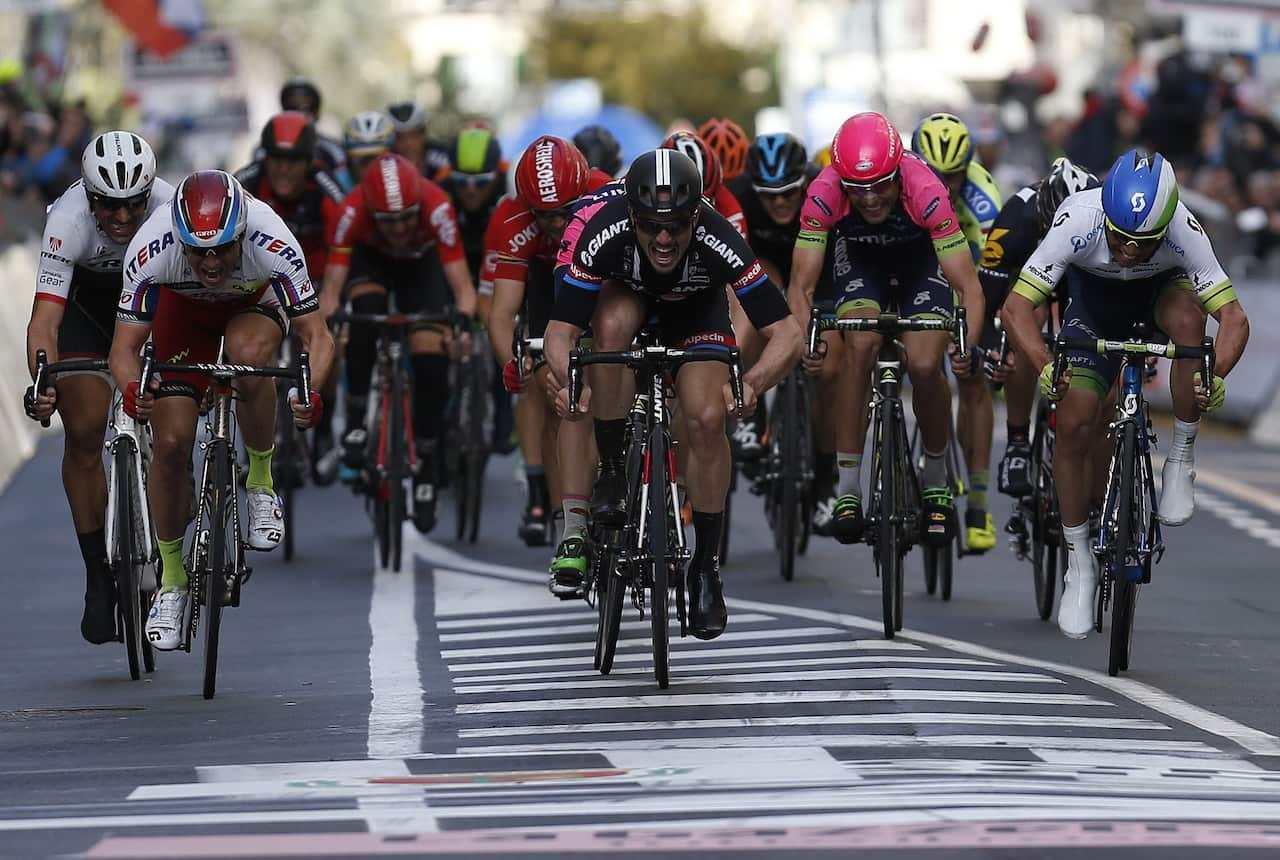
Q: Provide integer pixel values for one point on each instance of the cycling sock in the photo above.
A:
(259, 470)
(361, 344)
(824, 473)
(849, 464)
(610, 435)
(93, 548)
(536, 480)
(706, 537)
(430, 394)
(1018, 432)
(173, 570)
(935, 469)
(978, 491)
(1077, 538)
(1184, 438)
(575, 514)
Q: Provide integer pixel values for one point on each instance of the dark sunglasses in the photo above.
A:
(564, 213)
(673, 226)
(1139, 243)
(216, 251)
(401, 217)
(113, 204)
(879, 187)
(472, 179)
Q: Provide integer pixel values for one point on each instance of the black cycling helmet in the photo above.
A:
(601, 148)
(300, 86)
(777, 162)
(663, 183)
(1064, 179)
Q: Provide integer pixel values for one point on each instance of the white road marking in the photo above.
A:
(506, 620)
(395, 713)
(303, 771)
(781, 697)
(585, 630)
(587, 647)
(689, 680)
(895, 718)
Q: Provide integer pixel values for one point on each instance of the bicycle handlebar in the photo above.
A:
(655, 358)
(890, 324)
(70, 365)
(227, 372)
(398, 320)
(1134, 346)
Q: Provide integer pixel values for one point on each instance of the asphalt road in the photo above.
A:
(452, 709)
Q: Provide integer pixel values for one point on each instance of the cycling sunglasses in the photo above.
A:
(401, 217)
(472, 179)
(779, 190)
(1139, 242)
(216, 251)
(674, 226)
(878, 188)
(114, 204)
(564, 213)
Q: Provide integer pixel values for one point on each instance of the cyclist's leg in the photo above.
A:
(84, 399)
(1181, 316)
(366, 290)
(541, 457)
(702, 322)
(1019, 395)
(619, 315)
(748, 433)
(824, 414)
(859, 288)
(975, 426)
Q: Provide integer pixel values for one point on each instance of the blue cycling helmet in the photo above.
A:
(777, 162)
(1139, 195)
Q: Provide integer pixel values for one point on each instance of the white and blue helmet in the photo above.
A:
(1139, 195)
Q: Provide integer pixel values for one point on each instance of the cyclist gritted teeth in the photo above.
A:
(666, 248)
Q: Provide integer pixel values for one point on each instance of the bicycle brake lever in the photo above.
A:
(814, 325)
(575, 382)
(304, 378)
(962, 330)
(735, 379)
(148, 361)
(37, 384)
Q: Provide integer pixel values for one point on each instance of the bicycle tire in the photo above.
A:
(788, 514)
(475, 478)
(124, 561)
(461, 500)
(659, 592)
(223, 495)
(609, 600)
(395, 469)
(887, 534)
(1123, 595)
(946, 570)
(930, 555)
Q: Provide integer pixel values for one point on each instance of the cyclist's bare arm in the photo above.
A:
(959, 271)
(781, 351)
(335, 276)
(806, 268)
(508, 296)
(557, 342)
(1233, 335)
(317, 340)
(1023, 326)
(464, 292)
(42, 331)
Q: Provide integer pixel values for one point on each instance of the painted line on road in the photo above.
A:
(781, 697)
(689, 680)
(395, 712)
(567, 648)
(566, 630)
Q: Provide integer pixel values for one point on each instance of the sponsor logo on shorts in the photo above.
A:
(921, 298)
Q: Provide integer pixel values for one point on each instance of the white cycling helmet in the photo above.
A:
(407, 115)
(368, 133)
(118, 164)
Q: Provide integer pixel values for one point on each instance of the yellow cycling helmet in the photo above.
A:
(942, 140)
(822, 157)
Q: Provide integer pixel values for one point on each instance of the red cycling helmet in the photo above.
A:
(866, 148)
(290, 134)
(391, 185)
(209, 209)
(552, 173)
(707, 162)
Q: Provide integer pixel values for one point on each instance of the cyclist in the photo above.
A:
(398, 233)
(601, 148)
(771, 192)
(409, 118)
(1125, 249)
(73, 316)
(300, 94)
(898, 243)
(660, 250)
(524, 235)
(729, 142)
(1021, 224)
(364, 137)
(943, 141)
(218, 263)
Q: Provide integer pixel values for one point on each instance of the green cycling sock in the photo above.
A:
(978, 491)
(260, 470)
(173, 570)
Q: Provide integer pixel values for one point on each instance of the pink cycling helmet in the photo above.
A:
(866, 148)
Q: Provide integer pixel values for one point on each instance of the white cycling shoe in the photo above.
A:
(1177, 491)
(266, 520)
(168, 614)
(1075, 611)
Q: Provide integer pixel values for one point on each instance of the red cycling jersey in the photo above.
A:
(311, 216)
(437, 228)
(728, 206)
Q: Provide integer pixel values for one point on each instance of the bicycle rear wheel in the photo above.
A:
(657, 524)
(221, 555)
(1048, 549)
(1125, 591)
(126, 559)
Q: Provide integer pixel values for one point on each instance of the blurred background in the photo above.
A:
(1200, 81)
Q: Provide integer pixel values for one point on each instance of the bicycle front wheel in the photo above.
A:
(657, 524)
(1125, 591)
(126, 559)
(611, 590)
(222, 558)
(888, 556)
(789, 502)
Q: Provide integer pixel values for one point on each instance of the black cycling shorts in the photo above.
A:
(418, 283)
(89, 317)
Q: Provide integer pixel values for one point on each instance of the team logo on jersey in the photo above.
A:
(1078, 243)
(946, 224)
(933, 205)
(821, 204)
(720, 247)
(55, 244)
(1062, 217)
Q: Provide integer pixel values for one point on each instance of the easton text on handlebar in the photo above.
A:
(890, 324)
(71, 365)
(1135, 346)
(652, 358)
(228, 372)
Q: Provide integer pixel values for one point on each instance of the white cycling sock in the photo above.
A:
(1077, 538)
(849, 466)
(1184, 439)
(934, 473)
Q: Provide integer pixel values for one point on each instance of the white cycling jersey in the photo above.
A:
(72, 239)
(1077, 239)
(272, 268)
